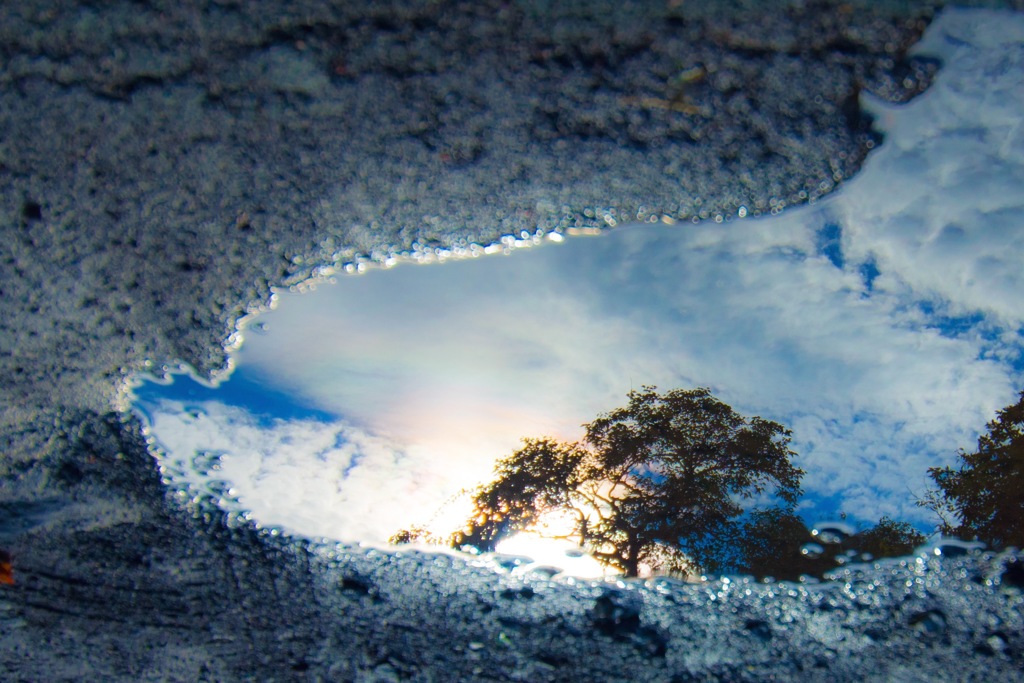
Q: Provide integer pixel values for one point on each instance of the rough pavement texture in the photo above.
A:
(162, 165)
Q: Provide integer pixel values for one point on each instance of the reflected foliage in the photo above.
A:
(772, 544)
(776, 543)
(983, 497)
(888, 538)
(661, 483)
(678, 482)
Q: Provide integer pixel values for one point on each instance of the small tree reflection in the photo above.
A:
(983, 498)
(775, 543)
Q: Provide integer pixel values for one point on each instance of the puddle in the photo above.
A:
(882, 325)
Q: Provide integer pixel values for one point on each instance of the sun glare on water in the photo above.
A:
(552, 552)
(549, 542)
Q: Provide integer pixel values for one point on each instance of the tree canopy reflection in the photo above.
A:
(679, 482)
(659, 483)
(779, 544)
(983, 498)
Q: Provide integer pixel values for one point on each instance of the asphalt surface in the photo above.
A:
(163, 165)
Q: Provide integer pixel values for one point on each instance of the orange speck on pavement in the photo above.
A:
(6, 569)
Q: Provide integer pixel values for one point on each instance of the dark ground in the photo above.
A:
(164, 164)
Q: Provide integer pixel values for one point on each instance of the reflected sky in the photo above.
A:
(883, 325)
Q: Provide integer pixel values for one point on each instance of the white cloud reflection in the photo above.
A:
(884, 352)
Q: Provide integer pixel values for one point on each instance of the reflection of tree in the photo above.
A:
(772, 544)
(670, 482)
(775, 543)
(888, 538)
(660, 483)
(985, 493)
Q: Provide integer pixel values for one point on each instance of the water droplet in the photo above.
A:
(510, 562)
(812, 550)
(954, 547)
(832, 532)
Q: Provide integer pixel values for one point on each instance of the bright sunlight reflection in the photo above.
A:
(553, 552)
